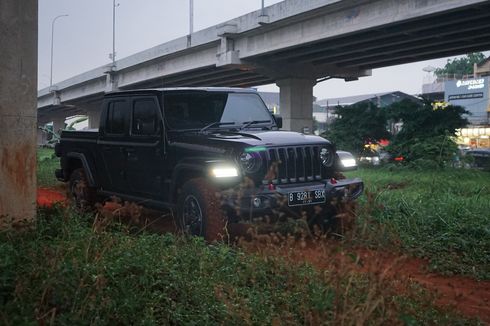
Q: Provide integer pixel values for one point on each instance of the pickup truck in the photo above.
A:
(212, 156)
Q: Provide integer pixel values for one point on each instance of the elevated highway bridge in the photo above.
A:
(293, 43)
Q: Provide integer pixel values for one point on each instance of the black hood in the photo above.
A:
(220, 140)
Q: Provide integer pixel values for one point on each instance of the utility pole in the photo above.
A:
(52, 47)
(191, 17)
(113, 55)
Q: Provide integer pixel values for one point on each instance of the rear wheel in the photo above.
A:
(82, 194)
(199, 211)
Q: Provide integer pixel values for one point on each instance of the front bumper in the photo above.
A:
(270, 200)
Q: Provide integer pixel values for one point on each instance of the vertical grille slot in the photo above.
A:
(301, 163)
(317, 173)
(308, 164)
(292, 158)
(274, 159)
(283, 166)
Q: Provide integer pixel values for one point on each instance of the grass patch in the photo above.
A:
(442, 215)
(47, 164)
(62, 271)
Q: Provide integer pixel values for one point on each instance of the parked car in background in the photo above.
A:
(480, 158)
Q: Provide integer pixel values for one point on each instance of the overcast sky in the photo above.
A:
(83, 40)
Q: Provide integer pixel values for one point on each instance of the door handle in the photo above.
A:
(130, 154)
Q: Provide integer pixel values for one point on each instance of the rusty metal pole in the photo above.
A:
(18, 115)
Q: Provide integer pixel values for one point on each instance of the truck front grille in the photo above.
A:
(293, 164)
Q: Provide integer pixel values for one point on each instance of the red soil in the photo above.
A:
(470, 297)
(49, 197)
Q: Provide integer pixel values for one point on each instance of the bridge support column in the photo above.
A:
(18, 115)
(58, 124)
(296, 103)
(41, 137)
(93, 119)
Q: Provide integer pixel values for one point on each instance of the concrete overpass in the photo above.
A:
(293, 44)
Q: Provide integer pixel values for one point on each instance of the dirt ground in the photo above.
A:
(470, 297)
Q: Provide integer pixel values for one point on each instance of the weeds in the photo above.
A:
(47, 164)
(440, 215)
(65, 271)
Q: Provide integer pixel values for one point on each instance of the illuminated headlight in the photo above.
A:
(326, 157)
(224, 172)
(250, 162)
(348, 162)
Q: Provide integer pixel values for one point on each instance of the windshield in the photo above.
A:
(196, 110)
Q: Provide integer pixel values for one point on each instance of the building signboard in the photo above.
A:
(472, 94)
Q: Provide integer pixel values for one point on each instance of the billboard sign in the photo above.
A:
(472, 94)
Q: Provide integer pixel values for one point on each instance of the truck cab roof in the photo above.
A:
(184, 89)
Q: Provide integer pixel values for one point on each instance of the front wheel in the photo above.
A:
(199, 211)
(337, 218)
(82, 194)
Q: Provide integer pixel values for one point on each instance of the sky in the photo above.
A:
(83, 40)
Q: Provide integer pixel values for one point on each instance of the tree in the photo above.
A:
(427, 132)
(460, 66)
(357, 124)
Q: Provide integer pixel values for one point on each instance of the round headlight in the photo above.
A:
(326, 157)
(250, 162)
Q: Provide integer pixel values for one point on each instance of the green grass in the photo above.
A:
(47, 164)
(64, 272)
(442, 215)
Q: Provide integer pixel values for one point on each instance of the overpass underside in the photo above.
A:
(340, 39)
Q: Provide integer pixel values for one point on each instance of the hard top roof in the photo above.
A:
(183, 89)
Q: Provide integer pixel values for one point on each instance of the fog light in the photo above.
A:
(224, 172)
(257, 202)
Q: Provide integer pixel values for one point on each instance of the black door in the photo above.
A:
(113, 134)
(145, 156)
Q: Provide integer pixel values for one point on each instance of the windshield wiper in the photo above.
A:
(215, 124)
(253, 122)
(228, 132)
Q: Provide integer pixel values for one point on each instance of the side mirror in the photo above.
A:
(278, 119)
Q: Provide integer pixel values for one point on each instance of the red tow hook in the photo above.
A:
(272, 187)
(333, 181)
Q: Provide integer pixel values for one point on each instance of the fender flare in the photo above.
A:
(86, 166)
(180, 169)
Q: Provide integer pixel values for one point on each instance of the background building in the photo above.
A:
(324, 110)
(472, 93)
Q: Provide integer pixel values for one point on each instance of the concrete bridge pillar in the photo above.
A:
(42, 137)
(58, 124)
(18, 115)
(93, 119)
(296, 103)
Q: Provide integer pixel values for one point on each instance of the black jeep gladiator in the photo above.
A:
(211, 155)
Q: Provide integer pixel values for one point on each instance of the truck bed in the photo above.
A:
(91, 134)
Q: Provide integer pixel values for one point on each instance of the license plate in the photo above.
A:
(298, 198)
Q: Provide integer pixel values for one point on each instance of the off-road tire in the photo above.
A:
(82, 195)
(344, 218)
(213, 221)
